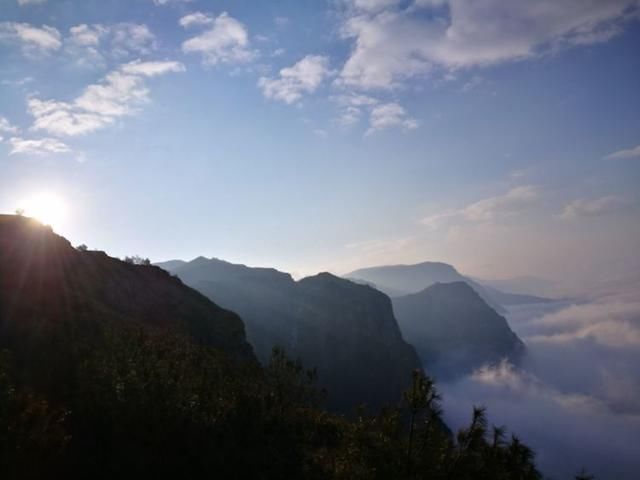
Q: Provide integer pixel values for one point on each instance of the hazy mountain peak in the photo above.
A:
(454, 330)
(200, 259)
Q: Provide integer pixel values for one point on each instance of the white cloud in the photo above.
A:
(488, 209)
(94, 45)
(6, 127)
(622, 154)
(503, 205)
(610, 323)
(31, 2)
(87, 35)
(41, 146)
(195, 19)
(225, 41)
(351, 106)
(152, 69)
(167, 2)
(293, 82)
(389, 115)
(120, 93)
(595, 207)
(393, 43)
(34, 40)
(132, 38)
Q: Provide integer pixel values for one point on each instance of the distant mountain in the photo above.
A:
(44, 281)
(454, 330)
(399, 280)
(526, 285)
(345, 330)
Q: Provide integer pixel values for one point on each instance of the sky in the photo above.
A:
(502, 136)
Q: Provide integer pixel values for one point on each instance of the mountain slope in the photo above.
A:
(44, 280)
(345, 330)
(454, 330)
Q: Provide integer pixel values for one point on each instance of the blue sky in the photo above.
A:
(500, 136)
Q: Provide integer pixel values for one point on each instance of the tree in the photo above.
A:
(137, 260)
(82, 248)
(19, 212)
(422, 399)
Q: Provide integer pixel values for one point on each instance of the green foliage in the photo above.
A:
(31, 432)
(124, 401)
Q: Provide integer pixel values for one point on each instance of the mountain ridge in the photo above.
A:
(454, 330)
(346, 330)
(403, 279)
(55, 280)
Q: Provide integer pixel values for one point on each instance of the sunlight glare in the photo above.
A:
(49, 208)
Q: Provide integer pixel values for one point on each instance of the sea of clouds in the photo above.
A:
(576, 396)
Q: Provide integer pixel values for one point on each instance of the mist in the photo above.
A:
(575, 399)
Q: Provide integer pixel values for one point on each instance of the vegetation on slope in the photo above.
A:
(346, 331)
(103, 378)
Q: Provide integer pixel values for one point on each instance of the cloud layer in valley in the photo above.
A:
(576, 400)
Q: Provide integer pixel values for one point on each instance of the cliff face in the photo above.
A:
(351, 334)
(44, 280)
(454, 330)
(346, 331)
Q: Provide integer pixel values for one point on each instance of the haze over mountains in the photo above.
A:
(345, 330)
(136, 346)
(397, 280)
(454, 330)
(348, 330)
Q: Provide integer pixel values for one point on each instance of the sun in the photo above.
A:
(49, 208)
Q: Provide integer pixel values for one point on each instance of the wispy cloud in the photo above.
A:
(488, 209)
(622, 154)
(6, 127)
(33, 40)
(168, 2)
(352, 106)
(293, 82)
(42, 146)
(226, 39)
(595, 207)
(96, 44)
(31, 2)
(133, 38)
(120, 93)
(87, 35)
